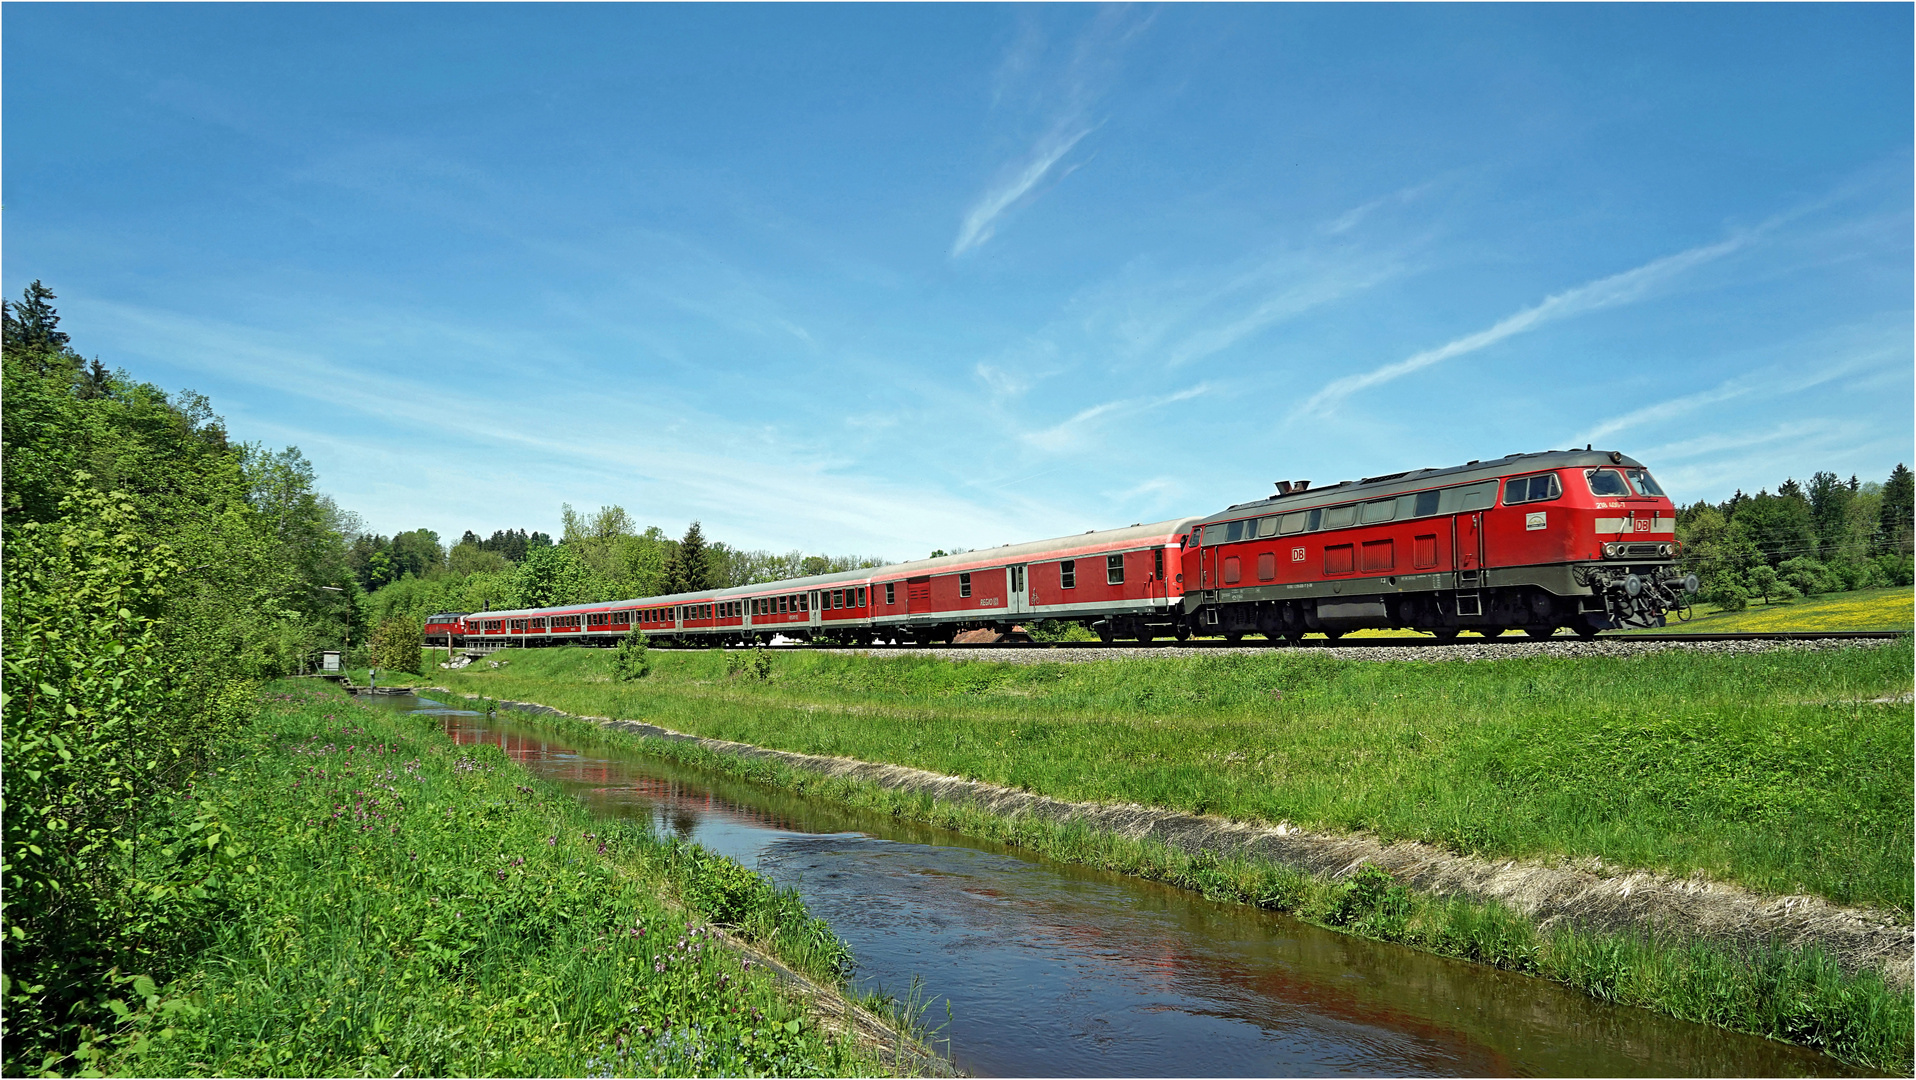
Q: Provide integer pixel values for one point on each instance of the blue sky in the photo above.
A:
(873, 279)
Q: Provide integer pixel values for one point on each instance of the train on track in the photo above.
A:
(1578, 539)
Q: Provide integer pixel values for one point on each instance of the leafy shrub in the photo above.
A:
(396, 645)
(762, 663)
(1372, 902)
(632, 660)
(1896, 569)
(1807, 575)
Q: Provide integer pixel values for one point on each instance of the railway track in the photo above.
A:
(1395, 641)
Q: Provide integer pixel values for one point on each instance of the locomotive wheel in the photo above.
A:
(1540, 631)
(1333, 635)
(1585, 630)
(1234, 636)
(1445, 633)
(1183, 632)
(1491, 631)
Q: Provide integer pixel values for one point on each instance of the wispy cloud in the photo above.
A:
(1066, 102)
(981, 221)
(1623, 288)
(1856, 350)
(1353, 217)
(1074, 432)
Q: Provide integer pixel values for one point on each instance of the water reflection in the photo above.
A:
(1057, 970)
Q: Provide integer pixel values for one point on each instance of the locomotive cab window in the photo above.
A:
(1526, 489)
(1606, 482)
(1114, 569)
(1641, 480)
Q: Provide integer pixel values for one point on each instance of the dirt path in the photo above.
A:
(1590, 896)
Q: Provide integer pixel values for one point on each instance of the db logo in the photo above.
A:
(1297, 554)
(1643, 524)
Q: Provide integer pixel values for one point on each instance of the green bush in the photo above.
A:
(631, 660)
(396, 645)
(1807, 576)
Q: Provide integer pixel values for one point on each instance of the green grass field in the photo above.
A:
(401, 906)
(1865, 609)
(1774, 770)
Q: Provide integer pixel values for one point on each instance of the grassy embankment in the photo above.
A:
(1770, 770)
(396, 904)
(1864, 609)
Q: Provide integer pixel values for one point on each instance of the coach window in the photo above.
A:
(1337, 517)
(1114, 569)
(964, 584)
(891, 595)
(1381, 510)
(1068, 574)
(861, 596)
(1157, 564)
(1292, 523)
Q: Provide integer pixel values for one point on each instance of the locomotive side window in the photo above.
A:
(1338, 517)
(1267, 527)
(1531, 489)
(1381, 510)
(1426, 503)
(1068, 574)
(1114, 569)
(1458, 500)
(1293, 523)
(1315, 521)
(1606, 482)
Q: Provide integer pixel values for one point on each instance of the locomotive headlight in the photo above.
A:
(1610, 551)
(1668, 549)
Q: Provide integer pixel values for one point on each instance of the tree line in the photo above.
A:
(155, 571)
(600, 556)
(1829, 535)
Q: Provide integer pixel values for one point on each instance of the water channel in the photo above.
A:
(1057, 970)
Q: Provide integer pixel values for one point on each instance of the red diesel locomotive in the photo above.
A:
(1573, 538)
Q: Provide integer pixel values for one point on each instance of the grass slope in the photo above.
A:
(398, 905)
(1865, 609)
(1771, 770)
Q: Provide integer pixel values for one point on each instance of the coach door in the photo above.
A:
(918, 595)
(814, 618)
(1017, 603)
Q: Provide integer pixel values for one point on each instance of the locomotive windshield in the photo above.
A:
(1614, 483)
(1606, 482)
(1642, 481)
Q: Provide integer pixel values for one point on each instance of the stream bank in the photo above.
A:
(1663, 943)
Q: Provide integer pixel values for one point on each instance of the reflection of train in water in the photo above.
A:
(1581, 539)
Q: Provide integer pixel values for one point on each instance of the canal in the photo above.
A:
(1038, 968)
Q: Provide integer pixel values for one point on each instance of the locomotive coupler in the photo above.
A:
(1633, 599)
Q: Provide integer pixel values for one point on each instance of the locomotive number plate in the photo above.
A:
(1532, 522)
(1297, 554)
